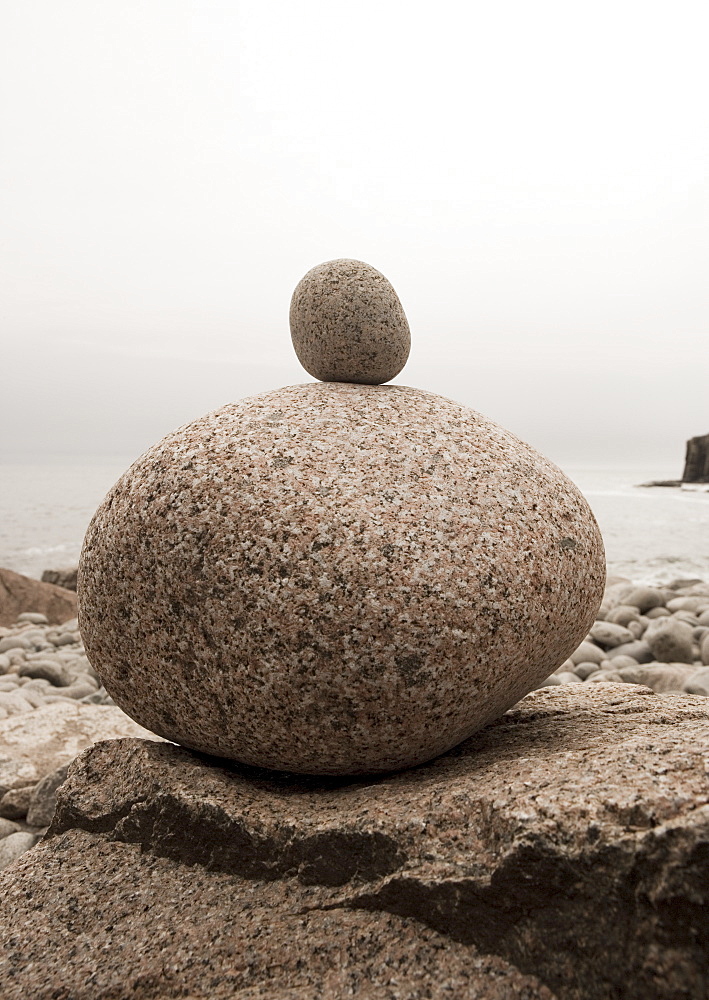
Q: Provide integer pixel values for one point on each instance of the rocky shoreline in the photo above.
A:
(52, 706)
(654, 636)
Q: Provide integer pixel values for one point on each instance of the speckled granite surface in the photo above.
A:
(568, 839)
(335, 578)
(348, 325)
(89, 919)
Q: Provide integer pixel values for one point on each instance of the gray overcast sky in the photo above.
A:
(532, 178)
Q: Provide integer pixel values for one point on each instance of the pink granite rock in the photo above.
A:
(569, 840)
(335, 578)
(348, 325)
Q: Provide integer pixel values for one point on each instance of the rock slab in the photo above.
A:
(567, 843)
(335, 578)
(20, 593)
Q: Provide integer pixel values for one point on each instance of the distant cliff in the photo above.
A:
(696, 463)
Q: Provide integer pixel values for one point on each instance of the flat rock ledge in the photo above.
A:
(562, 852)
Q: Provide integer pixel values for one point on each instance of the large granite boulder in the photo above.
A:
(130, 925)
(335, 578)
(341, 577)
(560, 852)
(20, 594)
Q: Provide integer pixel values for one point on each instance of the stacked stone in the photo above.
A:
(347, 578)
(656, 636)
(354, 576)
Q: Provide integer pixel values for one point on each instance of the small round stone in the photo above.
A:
(348, 325)
(334, 578)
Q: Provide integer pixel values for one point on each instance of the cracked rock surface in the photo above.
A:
(563, 851)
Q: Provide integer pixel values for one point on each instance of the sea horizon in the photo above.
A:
(652, 535)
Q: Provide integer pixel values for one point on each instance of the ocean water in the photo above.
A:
(651, 535)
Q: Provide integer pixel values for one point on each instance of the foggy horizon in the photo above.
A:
(531, 180)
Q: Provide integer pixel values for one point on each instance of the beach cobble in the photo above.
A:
(655, 636)
(40, 664)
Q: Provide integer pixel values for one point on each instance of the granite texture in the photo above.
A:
(348, 325)
(568, 840)
(331, 578)
(84, 918)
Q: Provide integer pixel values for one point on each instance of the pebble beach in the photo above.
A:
(50, 696)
